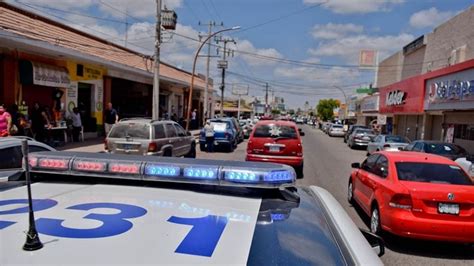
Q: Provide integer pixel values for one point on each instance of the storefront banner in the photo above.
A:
(50, 76)
(404, 97)
(450, 92)
(370, 104)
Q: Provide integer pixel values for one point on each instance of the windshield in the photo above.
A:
(432, 173)
(130, 130)
(275, 131)
(396, 139)
(220, 126)
(364, 131)
(336, 126)
(443, 149)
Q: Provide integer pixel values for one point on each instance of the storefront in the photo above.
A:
(369, 108)
(404, 102)
(449, 102)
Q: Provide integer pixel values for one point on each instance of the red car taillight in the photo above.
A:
(299, 151)
(152, 147)
(105, 145)
(401, 201)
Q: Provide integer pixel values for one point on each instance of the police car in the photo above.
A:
(126, 209)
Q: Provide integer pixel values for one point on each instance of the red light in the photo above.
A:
(89, 166)
(152, 147)
(53, 163)
(33, 161)
(124, 168)
(402, 201)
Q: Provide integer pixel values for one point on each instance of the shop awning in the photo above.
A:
(43, 74)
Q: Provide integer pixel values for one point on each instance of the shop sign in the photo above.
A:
(51, 76)
(455, 91)
(381, 120)
(396, 97)
(370, 103)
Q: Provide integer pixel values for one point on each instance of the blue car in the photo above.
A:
(225, 134)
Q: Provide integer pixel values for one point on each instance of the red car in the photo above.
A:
(415, 195)
(276, 142)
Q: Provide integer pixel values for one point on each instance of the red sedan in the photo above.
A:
(276, 142)
(415, 195)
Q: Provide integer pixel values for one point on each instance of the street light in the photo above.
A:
(188, 113)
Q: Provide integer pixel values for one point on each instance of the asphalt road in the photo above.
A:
(327, 164)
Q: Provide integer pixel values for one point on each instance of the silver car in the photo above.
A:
(336, 130)
(142, 136)
(387, 143)
(360, 138)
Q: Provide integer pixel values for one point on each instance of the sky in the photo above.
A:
(301, 48)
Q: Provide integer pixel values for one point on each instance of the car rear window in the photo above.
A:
(336, 126)
(397, 139)
(275, 131)
(443, 148)
(220, 126)
(130, 130)
(432, 173)
(362, 131)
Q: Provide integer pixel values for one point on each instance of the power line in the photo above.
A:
(215, 10)
(120, 11)
(192, 10)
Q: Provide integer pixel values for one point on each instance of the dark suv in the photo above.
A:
(142, 136)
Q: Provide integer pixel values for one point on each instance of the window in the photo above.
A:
(369, 164)
(465, 132)
(444, 149)
(418, 147)
(275, 131)
(80, 70)
(381, 167)
(396, 139)
(130, 130)
(10, 158)
(432, 173)
(181, 132)
(33, 148)
(170, 131)
(159, 131)
(410, 147)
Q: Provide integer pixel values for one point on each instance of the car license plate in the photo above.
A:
(448, 208)
(127, 146)
(274, 149)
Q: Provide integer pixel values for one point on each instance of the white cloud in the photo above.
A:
(429, 18)
(248, 47)
(335, 31)
(348, 48)
(320, 76)
(135, 8)
(356, 6)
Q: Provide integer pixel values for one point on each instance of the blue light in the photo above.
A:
(200, 173)
(161, 170)
(278, 216)
(279, 176)
(241, 176)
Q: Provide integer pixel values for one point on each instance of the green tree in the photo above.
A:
(325, 108)
(275, 111)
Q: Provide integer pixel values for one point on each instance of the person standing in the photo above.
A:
(39, 122)
(209, 133)
(76, 124)
(111, 117)
(5, 122)
(194, 119)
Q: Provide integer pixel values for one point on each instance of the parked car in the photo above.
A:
(11, 155)
(225, 134)
(336, 130)
(387, 143)
(276, 142)
(449, 150)
(299, 120)
(467, 163)
(247, 127)
(351, 129)
(415, 195)
(150, 137)
(325, 127)
(238, 128)
(360, 138)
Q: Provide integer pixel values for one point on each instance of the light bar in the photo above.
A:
(211, 172)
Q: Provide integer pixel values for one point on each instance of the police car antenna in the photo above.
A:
(32, 239)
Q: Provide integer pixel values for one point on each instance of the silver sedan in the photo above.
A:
(387, 143)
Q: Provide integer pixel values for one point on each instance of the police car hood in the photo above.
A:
(110, 224)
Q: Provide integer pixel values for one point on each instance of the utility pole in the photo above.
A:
(208, 61)
(266, 99)
(156, 77)
(223, 65)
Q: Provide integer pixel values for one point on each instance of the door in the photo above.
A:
(183, 145)
(84, 103)
(376, 180)
(362, 187)
(373, 145)
(172, 138)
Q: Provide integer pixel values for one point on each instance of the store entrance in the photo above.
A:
(84, 103)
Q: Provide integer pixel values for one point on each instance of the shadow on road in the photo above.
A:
(431, 249)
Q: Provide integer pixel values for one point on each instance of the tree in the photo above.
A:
(291, 112)
(275, 112)
(325, 108)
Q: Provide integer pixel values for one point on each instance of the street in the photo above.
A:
(327, 164)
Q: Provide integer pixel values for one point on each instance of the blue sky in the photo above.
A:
(313, 31)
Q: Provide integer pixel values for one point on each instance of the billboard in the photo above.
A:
(367, 58)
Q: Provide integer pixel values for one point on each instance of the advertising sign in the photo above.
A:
(370, 104)
(454, 91)
(367, 58)
(381, 120)
(404, 97)
(51, 76)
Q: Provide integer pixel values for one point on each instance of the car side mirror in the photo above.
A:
(375, 241)
(355, 165)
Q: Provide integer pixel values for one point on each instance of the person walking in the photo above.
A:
(5, 122)
(76, 124)
(111, 117)
(194, 119)
(209, 133)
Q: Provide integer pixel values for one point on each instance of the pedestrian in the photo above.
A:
(111, 117)
(174, 117)
(39, 122)
(209, 133)
(194, 119)
(76, 124)
(5, 122)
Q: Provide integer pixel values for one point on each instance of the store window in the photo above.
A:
(465, 132)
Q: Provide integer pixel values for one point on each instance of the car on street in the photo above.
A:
(246, 126)
(336, 130)
(351, 129)
(225, 134)
(299, 120)
(142, 136)
(360, 137)
(116, 208)
(325, 126)
(11, 155)
(238, 128)
(277, 142)
(448, 150)
(467, 163)
(415, 195)
(387, 143)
